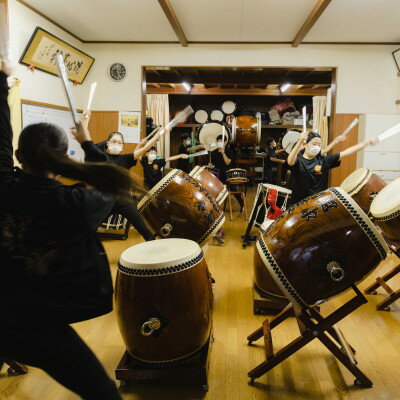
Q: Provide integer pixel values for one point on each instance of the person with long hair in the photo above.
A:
(54, 270)
(310, 167)
(111, 153)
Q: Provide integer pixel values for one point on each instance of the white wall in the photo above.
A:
(367, 75)
(37, 85)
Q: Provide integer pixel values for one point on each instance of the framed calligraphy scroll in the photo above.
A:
(42, 49)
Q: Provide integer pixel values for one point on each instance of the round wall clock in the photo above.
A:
(117, 72)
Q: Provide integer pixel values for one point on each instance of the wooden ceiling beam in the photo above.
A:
(174, 22)
(317, 11)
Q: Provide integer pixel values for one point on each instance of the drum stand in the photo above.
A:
(192, 371)
(381, 282)
(266, 305)
(247, 238)
(312, 325)
(14, 367)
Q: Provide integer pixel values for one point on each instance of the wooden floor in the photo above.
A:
(312, 373)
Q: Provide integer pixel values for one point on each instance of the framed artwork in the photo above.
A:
(42, 49)
(396, 56)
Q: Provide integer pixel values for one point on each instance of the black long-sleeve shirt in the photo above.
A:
(52, 265)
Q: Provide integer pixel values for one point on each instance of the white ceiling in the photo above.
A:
(225, 20)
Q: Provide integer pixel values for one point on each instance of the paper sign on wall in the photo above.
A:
(129, 126)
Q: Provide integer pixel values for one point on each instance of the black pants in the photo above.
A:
(61, 353)
(131, 213)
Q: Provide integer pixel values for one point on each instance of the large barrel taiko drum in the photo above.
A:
(163, 299)
(210, 182)
(363, 185)
(385, 210)
(180, 207)
(320, 247)
(246, 131)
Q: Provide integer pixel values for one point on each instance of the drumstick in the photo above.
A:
(151, 133)
(62, 72)
(4, 36)
(91, 95)
(394, 130)
(178, 119)
(350, 127)
(198, 153)
(304, 119)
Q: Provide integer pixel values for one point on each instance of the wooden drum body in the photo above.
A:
(363, 185)
(320, 247)
(163, 299)
(385, 210)
(210, 182)
(179, 207)
(246, 130)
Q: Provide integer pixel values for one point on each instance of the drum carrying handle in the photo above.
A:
(150, 326)
(336, 272)
(166, 230)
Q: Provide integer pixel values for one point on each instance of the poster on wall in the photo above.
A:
(129, 126)
(41, 53)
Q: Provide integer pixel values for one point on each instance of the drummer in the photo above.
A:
(221, 159)
(185, 148)
(153, 165)
(271, 159)
(310, 169)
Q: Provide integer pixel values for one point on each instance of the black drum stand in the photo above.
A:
(258, 201)
(312, 325)
(13, 366)
(192, 371)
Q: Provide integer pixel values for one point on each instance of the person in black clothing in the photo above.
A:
(152, 167)
(185, 148)
(271, 159)
(310, 169)
(111, 154)
(221, 159)
(54, 270)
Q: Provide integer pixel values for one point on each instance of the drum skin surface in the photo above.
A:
(210, 182)
(183, 206)
(322, 238)
(246, 134)
(179, 297)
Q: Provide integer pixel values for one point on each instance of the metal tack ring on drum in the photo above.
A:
(336, 272)
(166, 230)
(150, 326)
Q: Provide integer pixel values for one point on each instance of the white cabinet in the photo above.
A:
(383, 158)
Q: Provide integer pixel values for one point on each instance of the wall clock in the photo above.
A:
(117, 72)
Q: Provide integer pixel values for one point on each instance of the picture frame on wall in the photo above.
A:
(396, 56)
(42, 48)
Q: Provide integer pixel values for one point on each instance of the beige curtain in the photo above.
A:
(14, 101)
(158, 109)
(320, 122)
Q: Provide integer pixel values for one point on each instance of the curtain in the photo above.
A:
(320, 122)
(158, 109)
(14, 101)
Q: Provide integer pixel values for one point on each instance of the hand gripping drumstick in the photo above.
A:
(394, 130)
(62, 72)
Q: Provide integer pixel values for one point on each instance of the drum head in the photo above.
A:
(387, 201)
(228, 107)
(158, 254)
(201, 116)
(217, 115)
(209, 132)
(356, 180)
(289, 140)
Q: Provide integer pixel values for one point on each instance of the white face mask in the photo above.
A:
(220, 145)
(115, 148)
(187, 142)
(313, 150)
(152, 157)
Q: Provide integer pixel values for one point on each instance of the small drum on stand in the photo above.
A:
(208, 133)
(320, 247)
(114, 227)
(385, 210)
(236, 176)
(163, 298)
(179, 207)
(266, 293)
(228, 107)
(201, 116)
(217, 115)
(246, 131)
(363, 185)
(210, 182)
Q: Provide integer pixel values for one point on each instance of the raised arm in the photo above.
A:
(140, 150)
(296, 149)
(358, 147)
(198, 147)
(6, 135)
